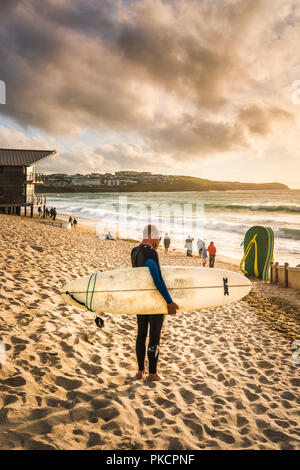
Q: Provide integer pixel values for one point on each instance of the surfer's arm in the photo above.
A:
(158, 280)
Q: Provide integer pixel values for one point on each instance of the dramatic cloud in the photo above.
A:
(190, 79)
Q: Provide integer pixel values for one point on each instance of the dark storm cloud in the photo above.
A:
(99, 65)
(259, 120)
(189, 137)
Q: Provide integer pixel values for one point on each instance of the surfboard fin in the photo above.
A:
(99, 322)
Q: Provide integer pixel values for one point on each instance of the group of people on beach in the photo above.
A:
(204, 252)
(48, 213)
(72, 222)
(51, 213)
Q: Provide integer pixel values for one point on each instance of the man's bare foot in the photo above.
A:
(154, 378)
(140, 374)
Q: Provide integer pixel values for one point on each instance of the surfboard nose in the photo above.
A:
(73, 289)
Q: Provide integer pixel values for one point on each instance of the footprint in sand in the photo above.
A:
(91, 369)
(18, 348)
(17, 381)
(33, 444)
(41, 427)
(251, 396)
(17, 340)
(58, 403)
(94, 440)
(107, 414)
(9, 399)
(195, 428)
(174, 444)
(187, 395)
(68, 384)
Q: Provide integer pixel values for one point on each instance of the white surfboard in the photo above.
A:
(132, 290)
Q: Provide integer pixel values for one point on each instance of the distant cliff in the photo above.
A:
(176, 183)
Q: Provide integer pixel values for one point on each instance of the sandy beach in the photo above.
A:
(230, 382)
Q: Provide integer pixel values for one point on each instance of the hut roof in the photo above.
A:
(18, 157)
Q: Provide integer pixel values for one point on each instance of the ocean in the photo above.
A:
(219, 216)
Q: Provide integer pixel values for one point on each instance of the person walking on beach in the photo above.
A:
(40, 212)
(146, 255)
(54, 213)
(71, 221)
(199, 246)
(189, 246)
(167, 243)
(204, 255)
(75, 222)
(212, 254)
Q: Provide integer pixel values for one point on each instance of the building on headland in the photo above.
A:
(18, 179)
(120, 178)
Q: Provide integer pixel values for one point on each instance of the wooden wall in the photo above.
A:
(12, 188)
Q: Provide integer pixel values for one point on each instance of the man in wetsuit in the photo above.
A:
(146, 255)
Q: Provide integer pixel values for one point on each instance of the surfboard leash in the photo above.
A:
(89, 301)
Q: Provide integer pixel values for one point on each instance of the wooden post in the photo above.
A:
(44, 211)
(286, 274)
(25, 211)
(31, 210)
(276, 272)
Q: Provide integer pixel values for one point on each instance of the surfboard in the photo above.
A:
(259, 241)
(132, 290)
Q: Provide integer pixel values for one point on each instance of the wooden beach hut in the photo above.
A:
(18, 179)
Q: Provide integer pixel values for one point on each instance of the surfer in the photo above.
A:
(146, 255)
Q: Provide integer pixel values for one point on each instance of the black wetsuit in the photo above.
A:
(144, 255)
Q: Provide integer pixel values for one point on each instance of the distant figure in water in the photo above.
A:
(146, 255)
(212, 254)
(189, 246)
(75, 222)
(204, 255)
(167, 243)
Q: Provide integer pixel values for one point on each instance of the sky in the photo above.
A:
(207, 88)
